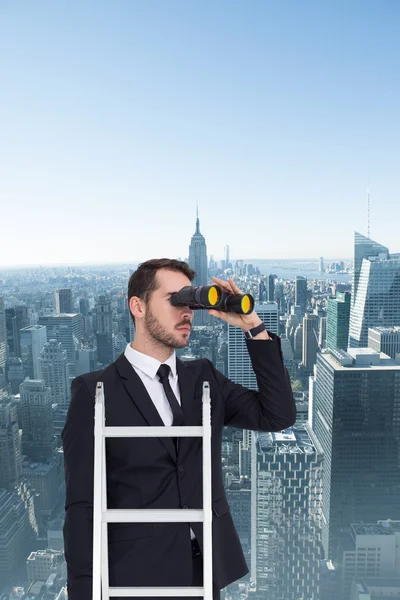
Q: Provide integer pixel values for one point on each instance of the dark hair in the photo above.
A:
(143, 283)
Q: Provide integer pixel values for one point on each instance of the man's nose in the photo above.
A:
(187, 312)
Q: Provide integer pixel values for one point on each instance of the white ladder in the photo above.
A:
(102, 516)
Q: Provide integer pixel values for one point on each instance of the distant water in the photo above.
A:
(288, 269)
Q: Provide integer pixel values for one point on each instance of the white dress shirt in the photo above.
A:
(146, 367)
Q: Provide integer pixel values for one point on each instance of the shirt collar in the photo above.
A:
(148, 364)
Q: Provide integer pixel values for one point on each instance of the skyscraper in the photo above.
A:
(33, 339)
(286, 530)
(10, 444)
(55, 372)
(198, 262)
(227, 257)
(16, 319)
(354, 399)
(67, 329)
(338, 319)
(104, 335)
(376, 290)
(64, 301)
(38, 441)
(310, 341)
(301, 292)
(271, 288)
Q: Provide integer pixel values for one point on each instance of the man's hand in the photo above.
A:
(245, 322)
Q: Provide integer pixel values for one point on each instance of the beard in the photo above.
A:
(159, 333)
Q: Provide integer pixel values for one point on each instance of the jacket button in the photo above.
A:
(185, 506)
(180, 469)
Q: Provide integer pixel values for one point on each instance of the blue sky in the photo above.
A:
(116, 118)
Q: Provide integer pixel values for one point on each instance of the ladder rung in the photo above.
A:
(155, 591)
(153, 515)
(154, 431)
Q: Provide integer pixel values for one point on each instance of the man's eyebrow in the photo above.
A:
(170, 294)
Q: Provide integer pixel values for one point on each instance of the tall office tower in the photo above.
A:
(10, 444)
(103, 314)
(84, 306)
(198, 262)
(310, 341)
(64, 302)
(67, 329)
(301, 292)
(280, 297)
(239, 363)
(385, 339)
(17, 533)
(55, 372)
(355, 418)
(15, 373)
(321, 265)
(33, 339)
(287, 548)
(16, 319)
(245, 454)
(38, 441)
(262, 292)
(298, 342)
(271, 288)
(294, 319)
(338, 315)
(104, 335)
(3, 344)
(322, 332)
(227, 257)
(375, 291)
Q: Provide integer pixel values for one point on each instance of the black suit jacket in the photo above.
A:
(147, 473)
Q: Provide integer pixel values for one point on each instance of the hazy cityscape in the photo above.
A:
(316, 506)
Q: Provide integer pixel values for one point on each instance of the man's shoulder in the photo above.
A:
(89, 380)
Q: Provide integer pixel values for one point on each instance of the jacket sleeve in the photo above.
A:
(272, 407)
(78, 444)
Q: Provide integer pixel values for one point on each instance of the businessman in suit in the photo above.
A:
(148, 385)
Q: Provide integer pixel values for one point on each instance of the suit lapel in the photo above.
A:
(140, 396)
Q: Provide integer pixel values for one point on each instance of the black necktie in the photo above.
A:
(178, 416)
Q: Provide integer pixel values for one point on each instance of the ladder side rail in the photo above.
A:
(104, 526)
(207, 503)
(97, 491)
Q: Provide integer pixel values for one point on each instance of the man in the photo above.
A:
(149, 386)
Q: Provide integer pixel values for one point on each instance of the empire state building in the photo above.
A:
(198, 262)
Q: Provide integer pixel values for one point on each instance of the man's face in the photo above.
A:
(163, 321)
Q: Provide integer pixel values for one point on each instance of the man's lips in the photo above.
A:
(185, 327)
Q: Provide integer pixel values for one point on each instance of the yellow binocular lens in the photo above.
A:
(246, 304)
(213, 295)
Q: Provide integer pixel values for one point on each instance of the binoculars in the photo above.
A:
(213, 296)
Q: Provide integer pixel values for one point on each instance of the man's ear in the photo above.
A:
(137, 308)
